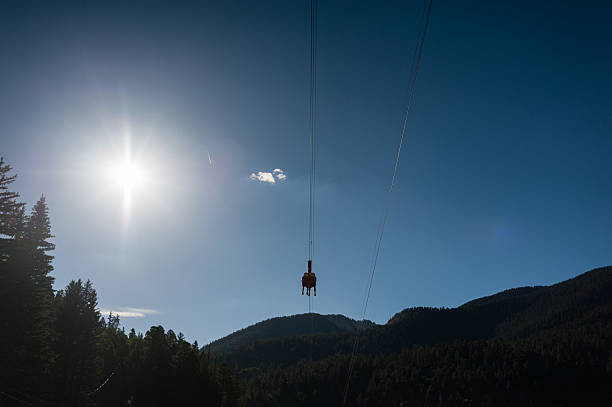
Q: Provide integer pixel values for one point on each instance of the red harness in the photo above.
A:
(309, 280)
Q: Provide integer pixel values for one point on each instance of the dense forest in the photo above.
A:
(287, 327)
(57, 350)
(524, 346)
(549, 346)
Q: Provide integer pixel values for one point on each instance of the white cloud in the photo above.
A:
(269, 177)
(130, 312)
(263, 177)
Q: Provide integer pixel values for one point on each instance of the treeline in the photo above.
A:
(296, 326)
(57, 350)
(569, 364)
(548, 371)
(548, 346)
(573, 305)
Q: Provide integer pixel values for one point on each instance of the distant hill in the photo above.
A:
(291, 326)
(544, 346)
(514, 313)
(584, 302)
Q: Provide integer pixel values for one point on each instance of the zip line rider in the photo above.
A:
(309, 280)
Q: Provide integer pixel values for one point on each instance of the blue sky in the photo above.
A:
(504, 179)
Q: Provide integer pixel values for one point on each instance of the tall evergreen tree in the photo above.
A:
(38, 231)
(78, 325)
(40, 335)
(14, 284)
(11, 211)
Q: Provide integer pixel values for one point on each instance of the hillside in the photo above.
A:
(543, 346)
(580, 303)
(291, 326)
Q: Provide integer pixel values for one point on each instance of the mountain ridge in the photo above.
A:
(288, 326)
(514, 313)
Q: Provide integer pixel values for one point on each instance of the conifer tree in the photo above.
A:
(11, 211)
(38, 231)
(78, 325)
(39, 337)
(14, 286)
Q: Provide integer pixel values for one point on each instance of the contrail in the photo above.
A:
(209, 160)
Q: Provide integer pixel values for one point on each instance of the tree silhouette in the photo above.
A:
(78, 325)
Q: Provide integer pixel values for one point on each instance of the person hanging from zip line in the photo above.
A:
(309, 280)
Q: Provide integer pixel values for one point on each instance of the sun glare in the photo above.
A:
(130, 179)
(128, 175)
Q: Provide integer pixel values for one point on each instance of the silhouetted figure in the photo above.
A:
(309, 280)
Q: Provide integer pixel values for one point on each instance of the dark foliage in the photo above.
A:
(56, 350)
(26, 327)
(527, 346)
(291, 326)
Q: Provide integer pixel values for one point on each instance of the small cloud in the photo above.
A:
(269, 177)
(130, 312)
(280, 174)
(263, 177)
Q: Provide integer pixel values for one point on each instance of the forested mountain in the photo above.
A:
(291, 326)
(515, 313)
(531, 345)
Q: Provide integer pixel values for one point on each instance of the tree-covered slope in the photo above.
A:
(545, 346)
(284, 327)
(579, 303)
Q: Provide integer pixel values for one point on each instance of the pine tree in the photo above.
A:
(14, 285)
(39, 337)
(11, 211)
(38, 231)
(78, 325)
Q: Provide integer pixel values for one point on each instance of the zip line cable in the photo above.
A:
(312, 104)
(102, 385)
(39, 400)
(47, 402)
(25, 403)
(28, 399)
(312, 109)
(420, 43)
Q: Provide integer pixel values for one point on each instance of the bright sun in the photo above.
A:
(128, 175)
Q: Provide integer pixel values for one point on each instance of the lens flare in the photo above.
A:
(128, 175)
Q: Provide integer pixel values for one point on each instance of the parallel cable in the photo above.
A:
(420, 43)
(48, 402)
(30, 396)
(102, 385)
(312, 109)
(312, 102)
(25, 403)
(311, 314)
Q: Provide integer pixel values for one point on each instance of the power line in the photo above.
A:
(420, 43)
